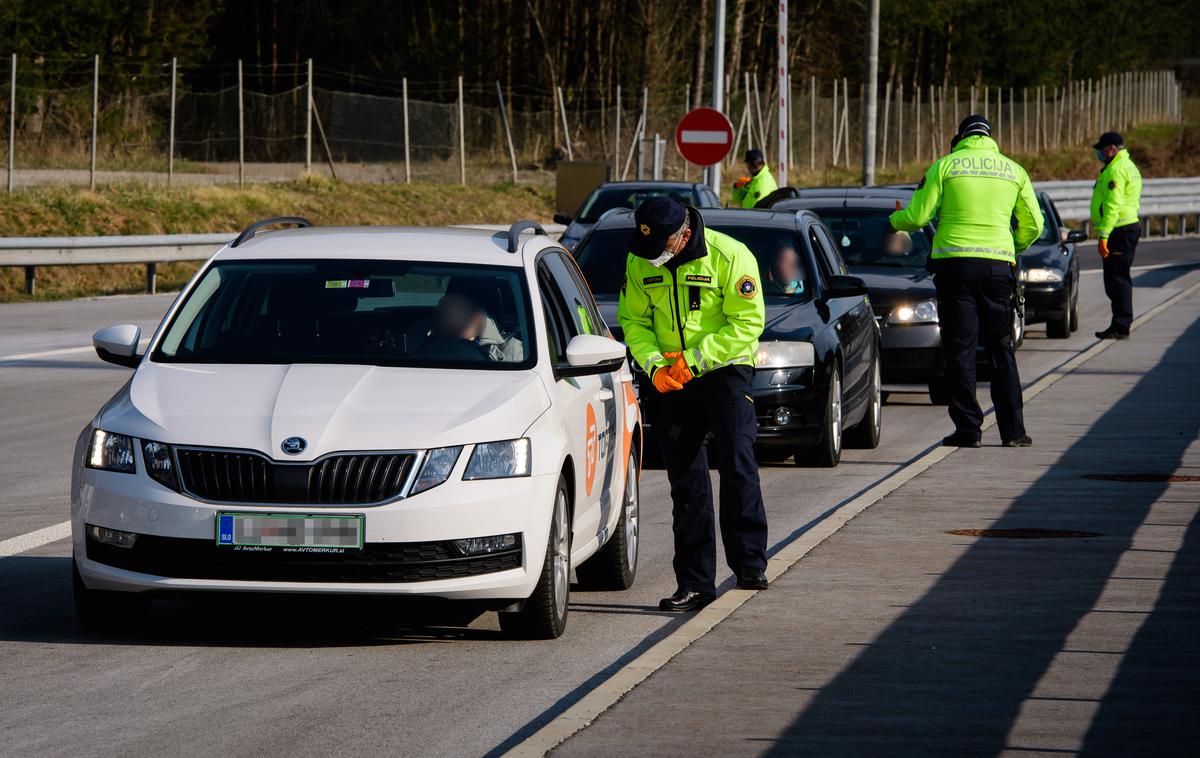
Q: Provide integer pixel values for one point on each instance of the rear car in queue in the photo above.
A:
(817, 378)
(1049, 273)
(611, 196)
(433, 414)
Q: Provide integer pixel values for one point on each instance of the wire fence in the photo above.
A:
(172, 122)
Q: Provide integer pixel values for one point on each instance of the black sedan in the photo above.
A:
(901, 288)
(614, 195)
(1050, 273)
(818, 381)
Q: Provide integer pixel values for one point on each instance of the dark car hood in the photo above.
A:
(891, 286)
(1044, 255)
(790, 321)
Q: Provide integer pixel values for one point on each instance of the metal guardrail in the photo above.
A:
(150, 249)
(1162, 199)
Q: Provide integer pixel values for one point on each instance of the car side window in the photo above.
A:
(578, 306)
(557, 332)
(818, 255)
(829, 250)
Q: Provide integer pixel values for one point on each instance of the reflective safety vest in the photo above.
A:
(975, 192)
(1116, 195)
(710, 309)
(759, 186)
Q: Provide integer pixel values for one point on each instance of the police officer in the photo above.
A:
(692, 311)
(975, 192)
(1115, 199)
(758, 183)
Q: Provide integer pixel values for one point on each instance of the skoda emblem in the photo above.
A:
(294, 445)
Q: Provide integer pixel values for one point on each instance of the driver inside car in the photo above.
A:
(463, 329)
(785, 278)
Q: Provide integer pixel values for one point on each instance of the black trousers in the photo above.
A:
(975, 304)
(720, 402)
(1122, 244)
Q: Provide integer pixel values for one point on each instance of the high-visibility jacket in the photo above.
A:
(1116, 195)
(759, 186)
(975, 192)
(709, 308)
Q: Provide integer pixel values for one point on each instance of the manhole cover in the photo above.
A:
(1160, 478)
(1024, 534)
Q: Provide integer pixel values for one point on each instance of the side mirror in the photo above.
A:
(845, 286)
(118, 344)
(589, 354)
(562, 218)
(1076, 235)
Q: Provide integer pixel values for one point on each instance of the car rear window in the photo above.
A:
(860, 235)
(387, 313)
(782, 263)
(603, 200)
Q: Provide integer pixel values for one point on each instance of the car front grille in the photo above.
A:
(376, 562)
(237, 476)
(911, 358)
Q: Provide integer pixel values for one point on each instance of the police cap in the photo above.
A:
(655, 220)
(1109, 139)
(974, 124)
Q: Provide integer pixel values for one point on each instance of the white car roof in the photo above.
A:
(415, 243)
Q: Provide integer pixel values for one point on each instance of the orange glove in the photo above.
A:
(1103, 249)
(680, 371)
(741, 182)
(663, 381)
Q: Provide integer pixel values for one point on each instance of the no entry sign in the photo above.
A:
(704, 136)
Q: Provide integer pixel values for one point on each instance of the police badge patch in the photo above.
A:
(747, 287)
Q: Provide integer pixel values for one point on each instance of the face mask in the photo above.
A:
(661, 260)
(1100, 156)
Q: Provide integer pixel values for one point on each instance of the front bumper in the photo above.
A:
(406, 551)
(912, 353)
(1042, 301)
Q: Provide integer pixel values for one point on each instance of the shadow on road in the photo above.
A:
(953, 672)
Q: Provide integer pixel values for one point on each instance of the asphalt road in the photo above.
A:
(298, 677)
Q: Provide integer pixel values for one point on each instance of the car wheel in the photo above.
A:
(865, 433)
(1075, 311)
(544, 615)
(614, 566)
(1059, 327)
(939, 393)
(101, 610)
(828, 452)
(1018, 329)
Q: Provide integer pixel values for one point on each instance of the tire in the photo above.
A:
(939, 394)
(1059, 327)
(105, 611)
(544, 615)
(1075, 310)
(828, 452)
(865, 434)
(614, 566)
(1018, 330)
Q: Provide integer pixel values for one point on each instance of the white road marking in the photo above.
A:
(607, 693)
(60, 351)
(31, 540)
(701, 137)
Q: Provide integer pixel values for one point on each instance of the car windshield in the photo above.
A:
(607, 198)
(1048, 223)
(779, 251)
(861, 236)
(373, 312)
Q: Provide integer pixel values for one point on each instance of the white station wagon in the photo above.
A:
(433, 413)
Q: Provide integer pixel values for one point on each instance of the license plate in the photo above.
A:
(269, 532)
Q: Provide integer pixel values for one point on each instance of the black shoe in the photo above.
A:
(753, 579)
(961, 439)
(685, 600)
(1023, 441)
(1112, 334)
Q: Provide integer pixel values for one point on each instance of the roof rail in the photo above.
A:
(249, 231)
(514, 233)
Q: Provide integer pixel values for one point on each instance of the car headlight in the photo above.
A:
(436, 468)
(784, 355)
(159, 463)
(111, 452)
(498, 460)
(1041, 275)
(924, 312)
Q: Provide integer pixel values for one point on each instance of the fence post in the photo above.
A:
(655, 162)
(1012, 121)
(30, 279)
(812, 123)
(846, 120)
(512, 154)
(917, 103)
(641, 147)
(151, 277)
(956, 117)
(462, 135)
(12, 119)
(900, 124)
(617, 134)
(308, 111)
(171, 131)
(242, 129)
(95, 117)
(562, 111)
(407, 164)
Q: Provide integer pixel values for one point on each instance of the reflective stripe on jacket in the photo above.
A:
(975, 192)
(1116, 195)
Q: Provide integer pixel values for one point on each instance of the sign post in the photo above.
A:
(781, 168)
(704, 137)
